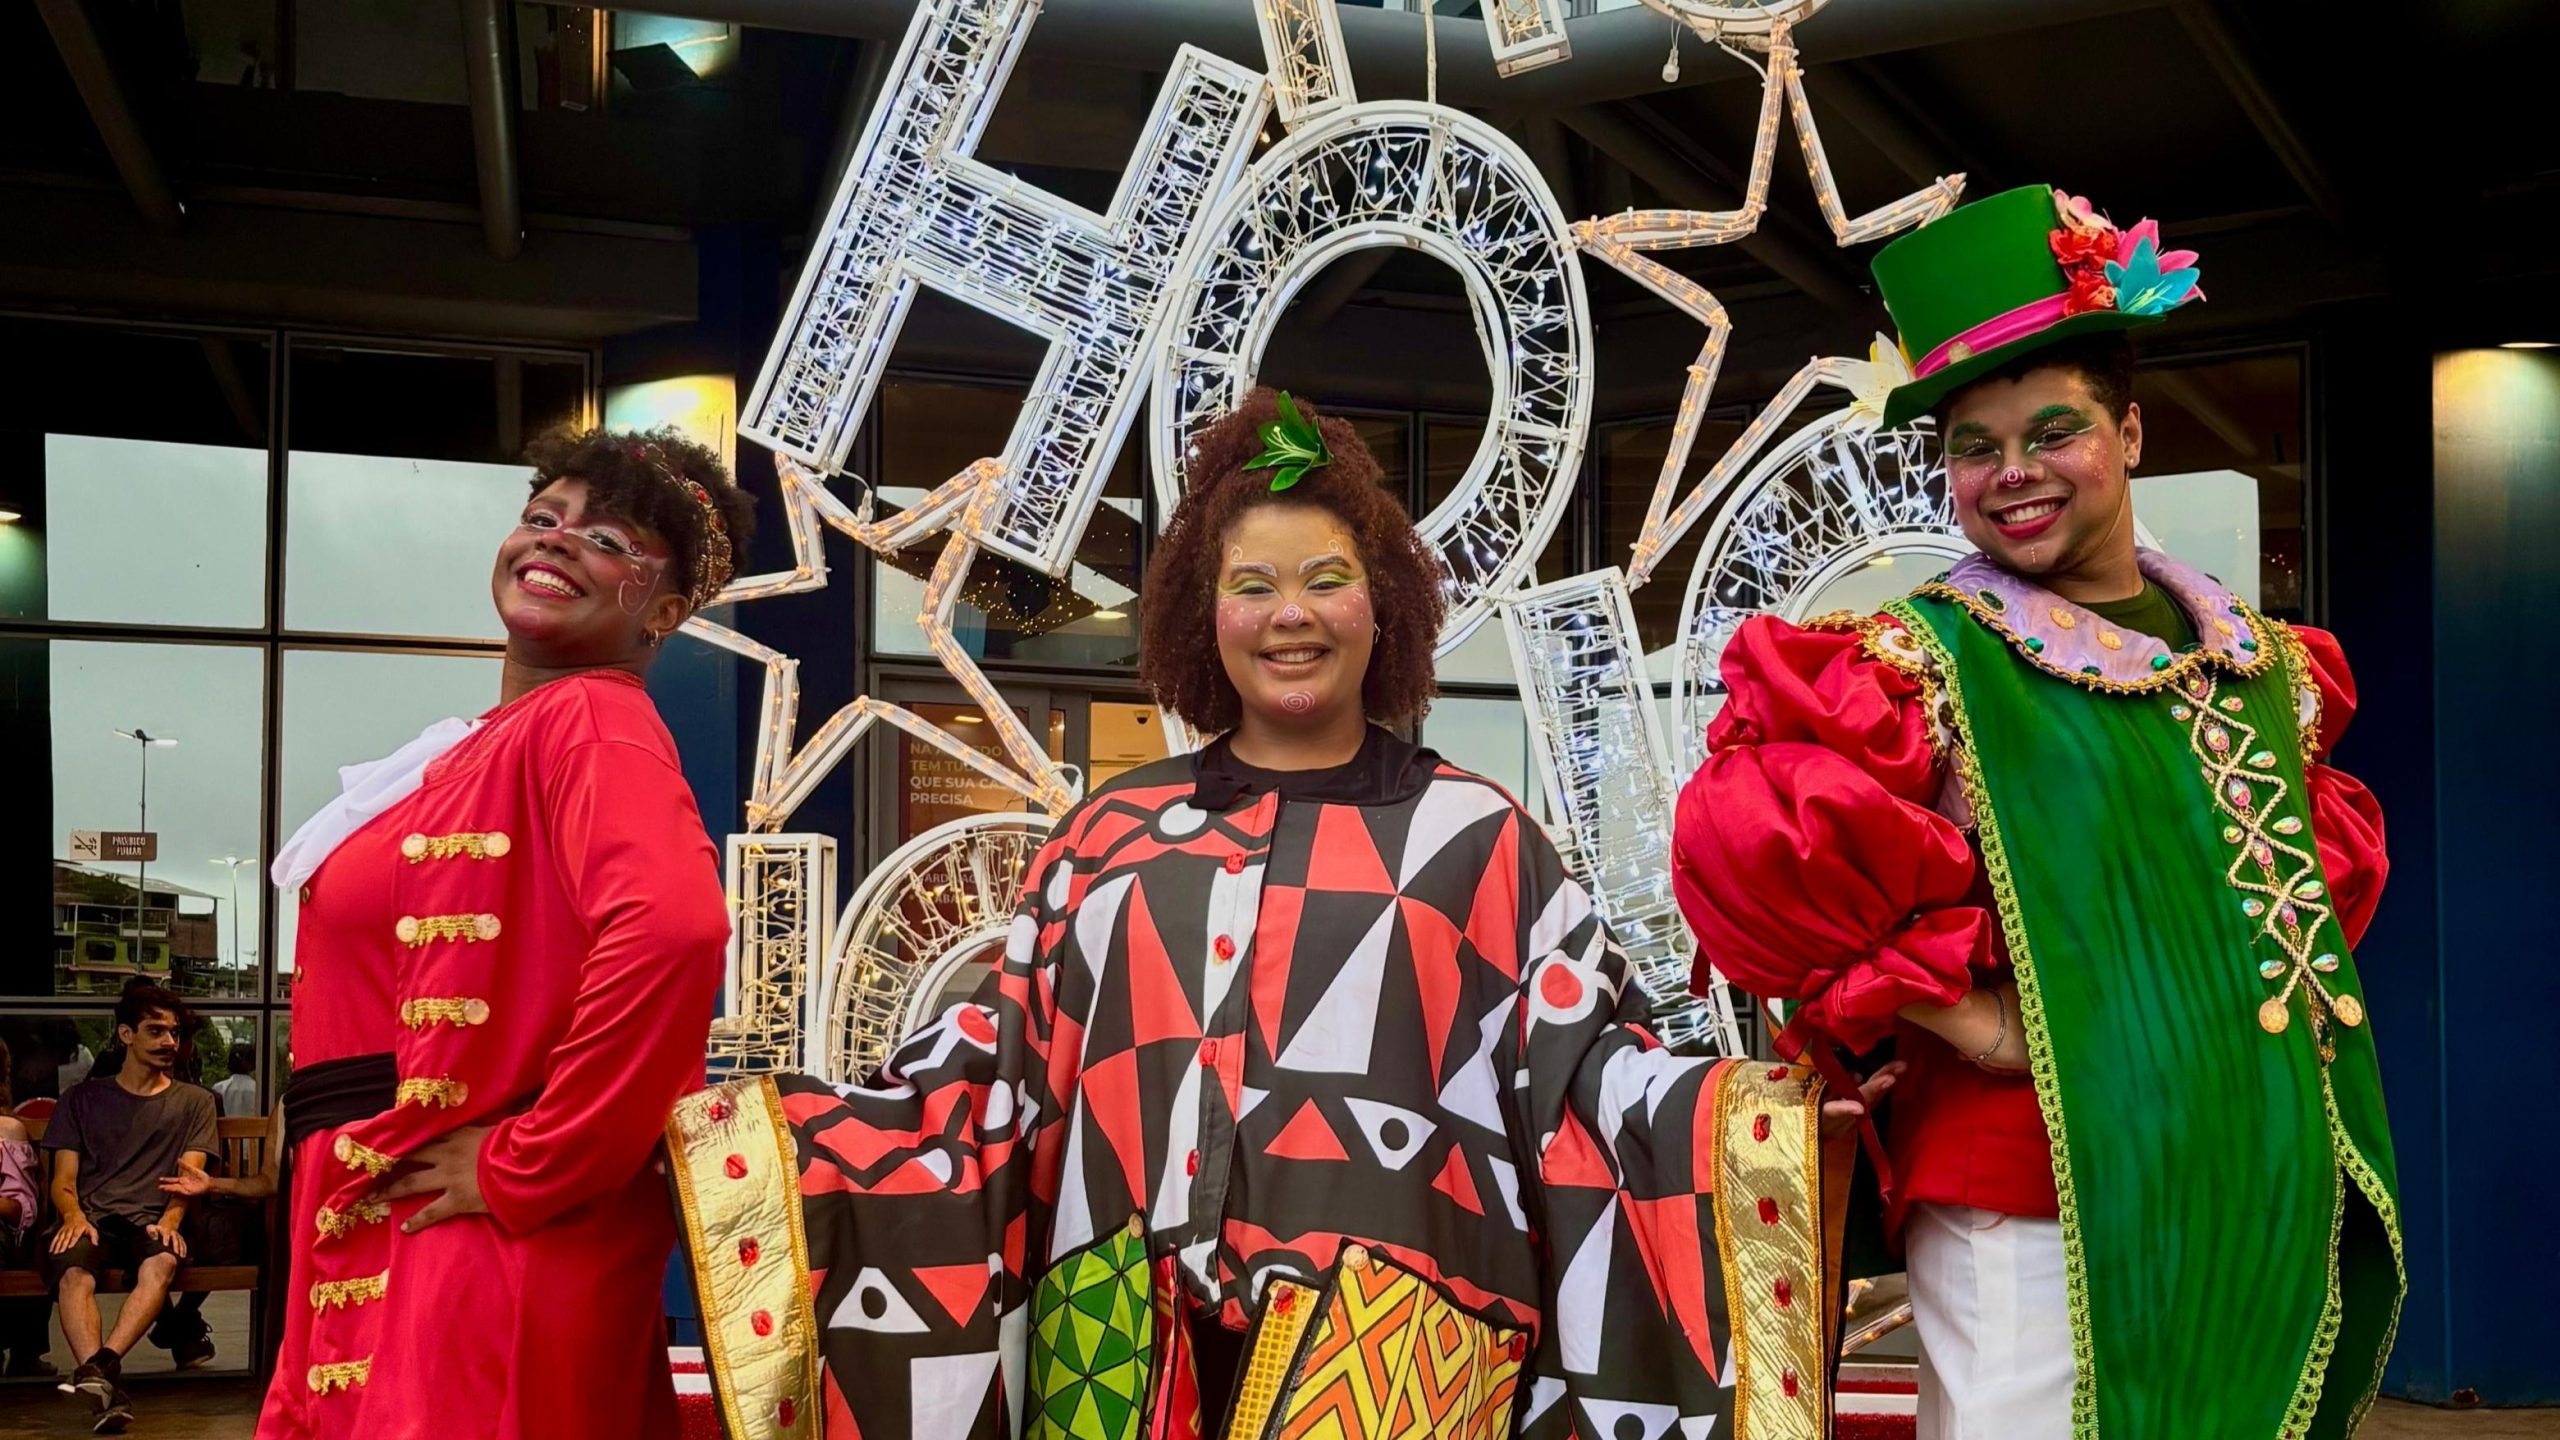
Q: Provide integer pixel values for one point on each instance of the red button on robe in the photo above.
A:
(1819, 857)
(567, 934)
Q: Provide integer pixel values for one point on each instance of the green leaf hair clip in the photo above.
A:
(1292, 446)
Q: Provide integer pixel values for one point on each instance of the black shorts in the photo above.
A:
(122, 1244)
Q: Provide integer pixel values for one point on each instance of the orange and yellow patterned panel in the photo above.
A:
(1393, 1360)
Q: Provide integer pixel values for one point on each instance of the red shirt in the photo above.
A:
(537, 937)
(1822, 855)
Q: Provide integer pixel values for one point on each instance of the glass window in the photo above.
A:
(143, 502)
(929, 431)
(2221, 479)
(934, 788)
(403, 476)
(1124, 736)
(192, 787)
(345, 707)
(1491, 738)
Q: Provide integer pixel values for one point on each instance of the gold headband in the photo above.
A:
(716, 563)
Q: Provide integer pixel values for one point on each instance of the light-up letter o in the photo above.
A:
(1438, 181)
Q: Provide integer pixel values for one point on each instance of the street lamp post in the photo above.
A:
(233, 863)
(147, 742)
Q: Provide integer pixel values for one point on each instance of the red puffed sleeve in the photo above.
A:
(2345, 818)
(1805, 853)
(642, 875)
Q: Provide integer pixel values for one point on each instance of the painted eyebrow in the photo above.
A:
(1970, 427)
(2056, 412)
(1314, 563)
(1254, 567)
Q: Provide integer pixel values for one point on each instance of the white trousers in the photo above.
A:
(1989, 1301)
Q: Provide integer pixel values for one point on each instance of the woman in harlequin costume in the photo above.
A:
(1309, 1096)
(2060, 824)
(512, 937)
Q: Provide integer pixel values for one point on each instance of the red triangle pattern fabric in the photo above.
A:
(1345, 857)
(1159, 1008)
(1458, 1182)
(960, 1288)
(1308, 1137)
(1494, 921)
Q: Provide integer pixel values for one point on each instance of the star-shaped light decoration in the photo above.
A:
(787, 770)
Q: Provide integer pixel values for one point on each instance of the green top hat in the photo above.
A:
(2012, 274)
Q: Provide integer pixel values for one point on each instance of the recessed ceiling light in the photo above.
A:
(2528, 344)
(10, 517)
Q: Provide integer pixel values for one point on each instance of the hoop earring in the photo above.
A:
(651, 639)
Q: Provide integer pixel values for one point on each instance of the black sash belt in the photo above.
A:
(330, 1093)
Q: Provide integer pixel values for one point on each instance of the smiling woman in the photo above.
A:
(510, 941)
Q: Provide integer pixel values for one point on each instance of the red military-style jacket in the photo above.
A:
(536, 936)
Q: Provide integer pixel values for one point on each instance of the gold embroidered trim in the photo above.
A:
(2279, 882)
(739, 1273)
(445, 1010)
(2040, 1062)
(444, 1091)
(417, 931)
(1766, 1170)
(1273, 1361)
(356, 1155)
(344, 1375)
(328, 1294)
(336, 1223)
(2368, 1183)
(1893, 645)
(2306, 692)
(488, 845)
(2180, 664)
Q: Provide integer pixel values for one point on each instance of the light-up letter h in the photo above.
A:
(915, 208)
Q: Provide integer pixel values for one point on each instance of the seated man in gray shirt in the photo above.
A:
(113, 1138)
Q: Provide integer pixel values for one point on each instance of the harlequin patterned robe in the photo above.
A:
(1349, 1064)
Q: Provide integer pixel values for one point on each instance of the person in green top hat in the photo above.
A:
(2058, 826)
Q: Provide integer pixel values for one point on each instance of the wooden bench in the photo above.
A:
(244, 1150)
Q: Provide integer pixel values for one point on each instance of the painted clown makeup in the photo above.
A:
(1294, 616)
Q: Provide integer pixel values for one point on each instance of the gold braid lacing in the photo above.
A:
(336, 1223)
(444, 1091)
(344, 1375)
(359, 1156)
(416, 931)
(444, 1010)
(331, 1293)
(470, 845)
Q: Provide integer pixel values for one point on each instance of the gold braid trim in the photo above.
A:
(344, 1375)
(444, 1091)
(419, 931)
(2306, 694)
(470, 845)
(336, 1223)
(334, 1293)
(443, 1010)
(2040, 1062)
(750, 1252)
(1766, 1174)
(2378, 1195)
(357, 1155)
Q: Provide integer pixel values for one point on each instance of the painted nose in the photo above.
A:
(1291, 614)
(2013, 477)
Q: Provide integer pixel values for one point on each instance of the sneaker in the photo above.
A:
(115, 1411)
(90, 1379)
(192, 1354)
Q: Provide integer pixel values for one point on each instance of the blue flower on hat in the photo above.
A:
(2143, 288)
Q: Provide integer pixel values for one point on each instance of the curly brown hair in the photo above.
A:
(628, 474)
(1177, 619)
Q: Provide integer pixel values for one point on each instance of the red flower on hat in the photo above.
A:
(2089, 291)
(2076, 248)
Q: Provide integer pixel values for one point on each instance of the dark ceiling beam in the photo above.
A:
(2206, 25)
(1845, 90)
(493, 126)
(1683, 178)
(75, 34)
(1616, 53)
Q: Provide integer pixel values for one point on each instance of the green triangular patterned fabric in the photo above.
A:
(1093, 1344)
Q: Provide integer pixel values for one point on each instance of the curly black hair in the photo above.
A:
(635, 474)
(1177, 615)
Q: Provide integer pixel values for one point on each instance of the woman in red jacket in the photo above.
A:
(512, 934)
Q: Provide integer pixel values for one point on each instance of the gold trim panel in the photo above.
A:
(356, 1155)
(336, 1223)
(1770, 1222)
(1287, 1310)
(750, 1253)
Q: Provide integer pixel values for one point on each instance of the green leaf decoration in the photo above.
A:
(1291, 447)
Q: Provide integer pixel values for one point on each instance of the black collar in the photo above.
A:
(1385, 772)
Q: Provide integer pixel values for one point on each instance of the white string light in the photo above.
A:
(781, 896)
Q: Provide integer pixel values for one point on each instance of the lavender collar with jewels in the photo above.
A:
(2081, 646)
